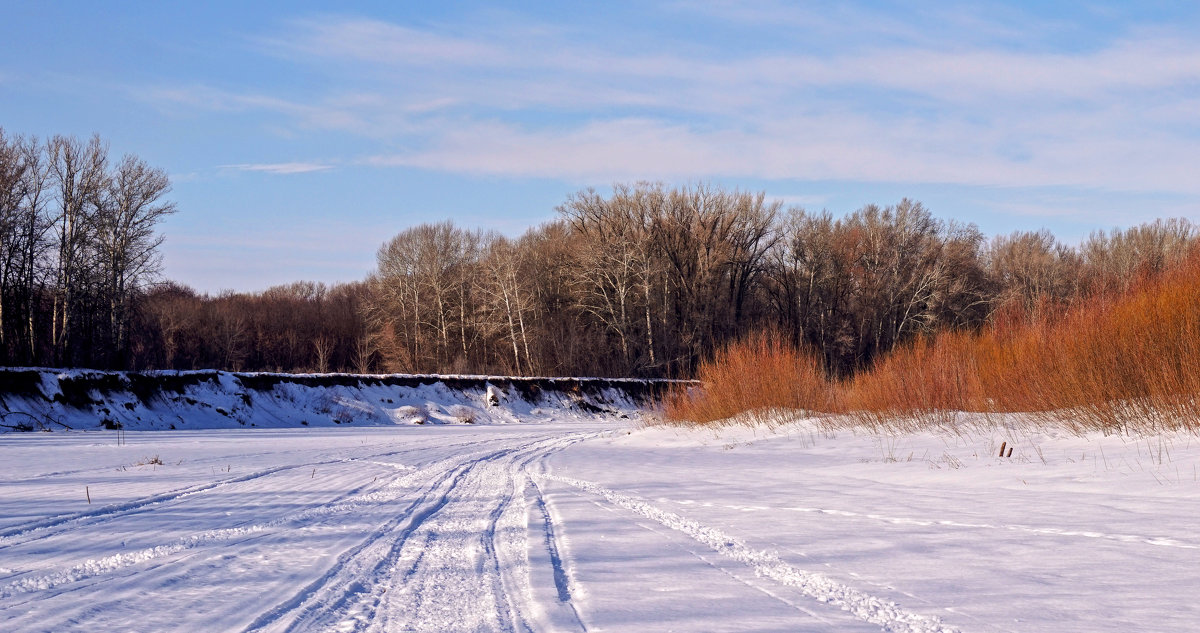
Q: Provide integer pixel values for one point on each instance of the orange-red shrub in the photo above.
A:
(760, 376)
(1115, 363)
(925, 382)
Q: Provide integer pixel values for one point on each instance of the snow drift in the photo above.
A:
(45, 399)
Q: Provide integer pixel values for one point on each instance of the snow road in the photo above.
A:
(572, 527)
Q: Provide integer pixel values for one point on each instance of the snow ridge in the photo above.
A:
(47, 399)
(884, 613)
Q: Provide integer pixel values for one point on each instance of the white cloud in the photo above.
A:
(538, 102)
(280, 168)
(207, 98)
(818, 147)
(383, 42)
(494, 63)
(189, 176)
(806, 201)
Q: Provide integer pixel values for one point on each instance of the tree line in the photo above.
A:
(645, 280)
(650, 280)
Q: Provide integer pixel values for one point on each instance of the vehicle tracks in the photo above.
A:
(455, 558)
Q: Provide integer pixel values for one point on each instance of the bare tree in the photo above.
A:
(33, 241)
(1116, 259)
(614, 271)
(323, 346)
(507, 299)
(231, 335)
(1032, 271)
(127, 242)
(79, 176)
(364, 353)
(422, 295)
(14, 204)
(174, 311)
(857, 287)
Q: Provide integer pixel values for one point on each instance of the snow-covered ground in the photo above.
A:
(596, 526)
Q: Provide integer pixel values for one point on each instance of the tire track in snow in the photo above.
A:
(46, 528)
(562, 579)
(95, 567)
(108, 564)
(344, 580)
(879, 611)
(10, 536)
(449, 575)
(504, 571)
(491, 558)
(384, 582)
(451, 579)
(223, 458)
(561, 582)
(727, 569)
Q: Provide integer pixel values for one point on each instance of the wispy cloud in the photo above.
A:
(280, 168)
(189, 176)
(423, 58)
(377, 41)
(510, 98)
(846, 147)
(802, 200)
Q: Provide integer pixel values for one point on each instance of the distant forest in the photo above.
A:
(646, 281)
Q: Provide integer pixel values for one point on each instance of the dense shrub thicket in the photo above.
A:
(1119, 361)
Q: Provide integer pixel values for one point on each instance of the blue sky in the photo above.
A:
(299, 136)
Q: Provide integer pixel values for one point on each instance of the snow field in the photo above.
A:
(1096, 534)
(887, 615)
(595, 527)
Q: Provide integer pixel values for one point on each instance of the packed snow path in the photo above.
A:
(570, 527)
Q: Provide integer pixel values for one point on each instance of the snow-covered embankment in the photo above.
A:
(46, 399)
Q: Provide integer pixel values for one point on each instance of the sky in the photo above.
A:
(300, 136)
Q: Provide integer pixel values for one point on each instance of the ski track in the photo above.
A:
(886, 614)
